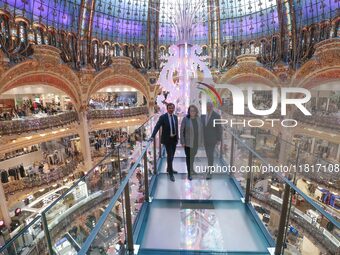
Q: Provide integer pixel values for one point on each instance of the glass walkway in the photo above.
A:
(199, 215)
(126, 204)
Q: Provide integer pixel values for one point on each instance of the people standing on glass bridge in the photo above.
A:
(212, 135)
(169, 137)
(191, 137)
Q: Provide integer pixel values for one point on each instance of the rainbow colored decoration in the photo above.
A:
(211, 92)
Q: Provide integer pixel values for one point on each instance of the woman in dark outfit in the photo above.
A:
(191, 137)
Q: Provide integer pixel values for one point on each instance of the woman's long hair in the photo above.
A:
(195, 108)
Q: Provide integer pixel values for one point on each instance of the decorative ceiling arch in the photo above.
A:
(255, 85)
(122, 73)
(324, 67)
(44, 69)
(39, 79)
(249, 70)
(321, 77)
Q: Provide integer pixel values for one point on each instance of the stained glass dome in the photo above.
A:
(60, 14)
(126, 21)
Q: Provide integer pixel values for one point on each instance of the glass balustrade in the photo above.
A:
(292, 191)
(64, 226)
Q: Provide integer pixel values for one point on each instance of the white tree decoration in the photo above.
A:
(184, 60)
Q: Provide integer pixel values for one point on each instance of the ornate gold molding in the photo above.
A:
(120, 73)
(323, 67)
(249, 70)
(45, 68)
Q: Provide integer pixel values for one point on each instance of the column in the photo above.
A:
(312, 146)
(4, 213)
(338, 154)
(285, 147)
(328, 101)
(85, 23)
(84, 139)
(152, 33)
(214, 32)
(317, 101)
(151, 106)
(139, 98)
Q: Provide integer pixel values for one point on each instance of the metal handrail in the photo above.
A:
(20, 233)
(12, 240)
(112, 203)
(288, 182)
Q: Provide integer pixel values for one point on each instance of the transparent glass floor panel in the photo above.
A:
(218, 188)
(199, 215)
(181, 154)
(218, 226)
(179, 164)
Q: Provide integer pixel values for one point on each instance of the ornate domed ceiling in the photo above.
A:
(127, 20)
(61, 14)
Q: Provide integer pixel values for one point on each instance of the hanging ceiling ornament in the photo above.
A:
(183, 61)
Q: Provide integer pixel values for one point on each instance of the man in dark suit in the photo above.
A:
(169, 124)
(212, 135)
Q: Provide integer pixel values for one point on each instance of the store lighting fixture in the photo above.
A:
(17, 211)
(42, 135)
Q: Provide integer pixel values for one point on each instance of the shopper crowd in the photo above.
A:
(31, 108)
(111, 101)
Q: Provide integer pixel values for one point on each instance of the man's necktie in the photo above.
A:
(173, 129)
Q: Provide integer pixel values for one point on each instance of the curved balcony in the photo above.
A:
(331, 121)
(32, 124)
(117, 113)
(35, 180)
